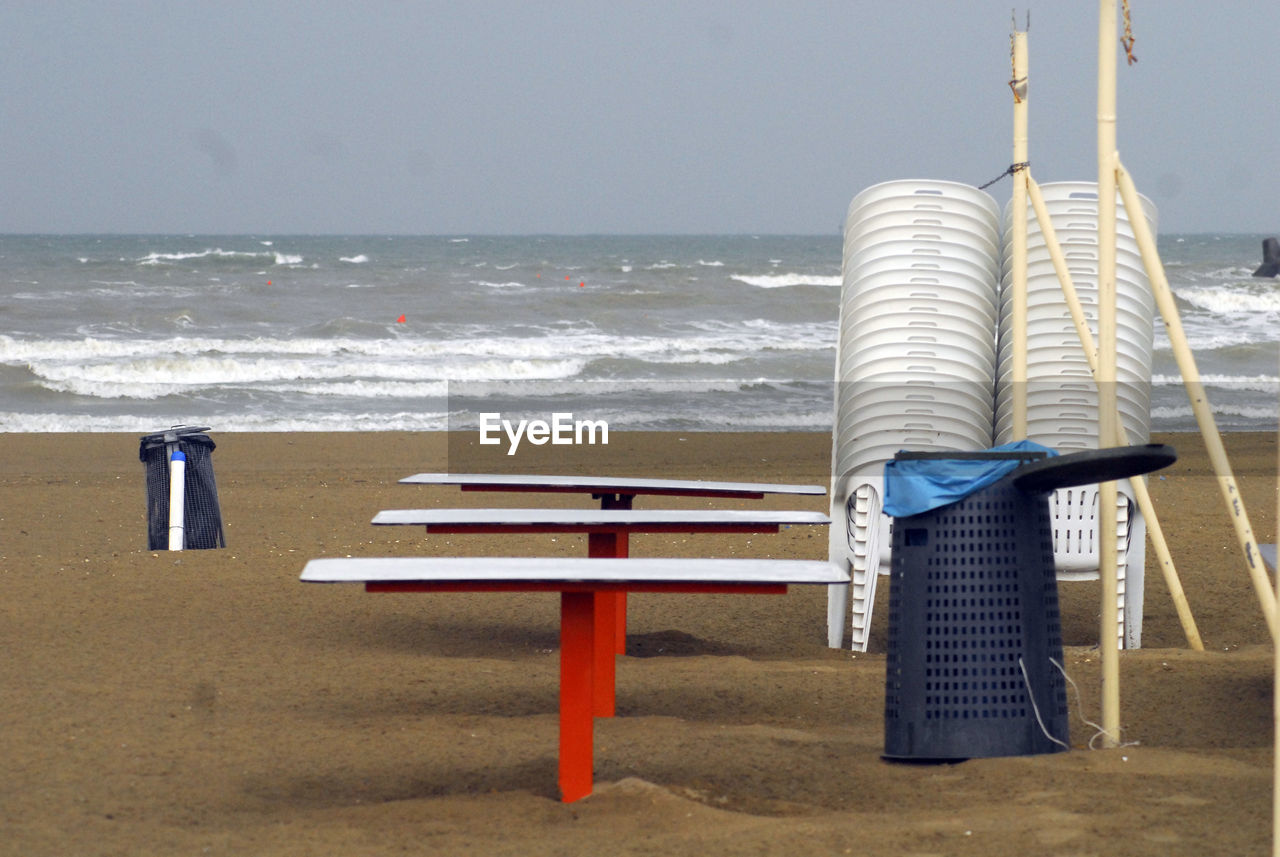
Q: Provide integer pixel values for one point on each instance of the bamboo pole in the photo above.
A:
(1018, 370)
(1140, 494)
(1200, 404)
(1064, 275)
(1107, 402)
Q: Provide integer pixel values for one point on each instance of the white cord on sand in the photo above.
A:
(1098, 731)
(1035, 708)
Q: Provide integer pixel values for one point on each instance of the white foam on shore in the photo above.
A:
(513, 284)
(1233, 299)
(1251, 383)
(276, 257)
(780, 281)
(718, 339)
(1248, 413)
(223, 422)
(156, 377)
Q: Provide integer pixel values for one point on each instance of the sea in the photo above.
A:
(136, 333)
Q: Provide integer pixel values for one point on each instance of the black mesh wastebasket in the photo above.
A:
(974, 628)
(201, 512)
(973, 602)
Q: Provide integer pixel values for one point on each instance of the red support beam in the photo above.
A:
(577, 642)
(584, 692)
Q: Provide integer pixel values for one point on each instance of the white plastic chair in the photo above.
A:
(907, 251)
(1083, 195)
(966, 285)
(909, 336)
(945, 192)
(1074, 516)
(862, 534)
(1062, 410)
(857, 536)
(882, 402)
(958, 354)
(908, 204)
(915, 363)
(919, 310)
(916, 264)
(936, 225)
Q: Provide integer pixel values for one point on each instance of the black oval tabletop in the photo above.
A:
(1092, 465)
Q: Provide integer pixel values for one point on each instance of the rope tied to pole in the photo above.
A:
(1128, 40)
(1018, 85)
(1013, 168)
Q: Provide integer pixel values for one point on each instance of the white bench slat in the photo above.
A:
(596, 517)
(609, 484)
(570, 569)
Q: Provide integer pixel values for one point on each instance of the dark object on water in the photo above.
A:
(1270, 258)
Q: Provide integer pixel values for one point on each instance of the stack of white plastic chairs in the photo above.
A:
(916, 359)
(1062, 399)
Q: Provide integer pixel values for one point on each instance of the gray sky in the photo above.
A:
(616, 117)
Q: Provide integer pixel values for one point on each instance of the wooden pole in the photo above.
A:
(1018, 240)
(1140, 494)
(1107, 402)
(1200, 404)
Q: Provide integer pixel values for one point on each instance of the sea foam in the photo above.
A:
(218, 254)
(779, 281)
(1232, 300)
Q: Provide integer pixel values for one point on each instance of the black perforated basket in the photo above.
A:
(201, 512)
(974, 628)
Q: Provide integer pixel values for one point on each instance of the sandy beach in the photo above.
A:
(209, 703)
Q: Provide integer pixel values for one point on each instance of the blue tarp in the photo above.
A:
(913, 486)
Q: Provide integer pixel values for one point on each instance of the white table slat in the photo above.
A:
(597, 517)
(571, 570)
(608, 484)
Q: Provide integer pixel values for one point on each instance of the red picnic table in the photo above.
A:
(579, 581)
(613, 492)
(610, 529)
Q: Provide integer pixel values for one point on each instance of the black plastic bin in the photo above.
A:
(201, 512)
(974, 627)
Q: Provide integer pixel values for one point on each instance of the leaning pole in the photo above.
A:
(1138, 484)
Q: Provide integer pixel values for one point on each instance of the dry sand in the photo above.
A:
(209, 703)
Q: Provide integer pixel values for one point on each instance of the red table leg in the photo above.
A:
(620, 624)
(577, 642)
(604, 667)
(620, 549)
(579, 687)
(611, 622)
